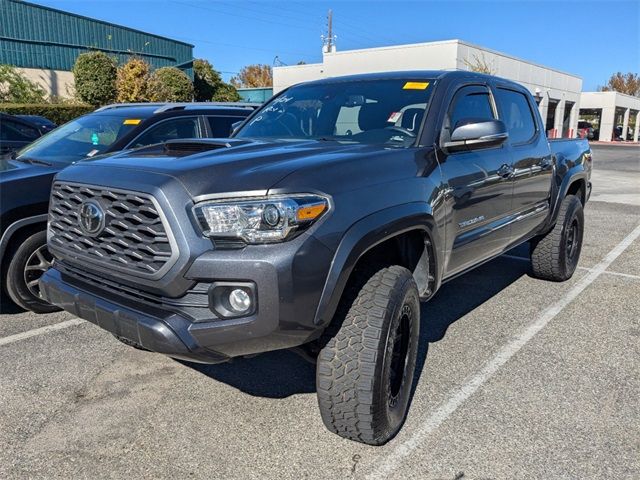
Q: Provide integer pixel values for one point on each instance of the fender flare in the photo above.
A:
(362, 237)
(17, 225)
(576, 173)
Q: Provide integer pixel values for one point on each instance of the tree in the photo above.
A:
(131, 81)
(480, 65)
(226, 93)
(169, 84)
(16, 88)
(209, 86)
(628, 83)
(253, 76)
(94, 76)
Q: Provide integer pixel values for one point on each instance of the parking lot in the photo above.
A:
(517, 378)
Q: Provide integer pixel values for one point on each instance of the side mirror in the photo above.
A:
(235, 126)
(478, 134)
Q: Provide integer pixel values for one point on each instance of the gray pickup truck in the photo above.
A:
(332, 212)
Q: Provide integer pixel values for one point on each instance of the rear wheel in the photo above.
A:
(28, 260)
(365, 372)
(555, 255)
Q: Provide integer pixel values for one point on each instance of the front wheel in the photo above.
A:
(555, 255)
(28, 260)
(365, 372)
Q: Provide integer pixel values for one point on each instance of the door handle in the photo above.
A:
(505, 171)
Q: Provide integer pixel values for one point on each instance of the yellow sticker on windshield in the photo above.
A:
(132, 121)
(415, 86)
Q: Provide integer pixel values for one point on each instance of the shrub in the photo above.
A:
(58, 113)
(95, 78)
(15, 87)
(131, 81)
(226, 93)
(169, 84)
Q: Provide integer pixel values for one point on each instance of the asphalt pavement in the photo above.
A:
(516, 378)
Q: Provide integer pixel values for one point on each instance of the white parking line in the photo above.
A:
(389, 464)
(40, 331)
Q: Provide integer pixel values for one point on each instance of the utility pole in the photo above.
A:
(328, 42)
(330, 26)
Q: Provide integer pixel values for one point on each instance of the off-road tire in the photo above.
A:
(555, 255)
(364, 377)
(17, 258)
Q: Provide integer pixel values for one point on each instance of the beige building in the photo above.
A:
(557, 93)
(613, 115)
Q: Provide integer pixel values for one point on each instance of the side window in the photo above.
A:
(221, 126)
(517, 115)
(174, 129)
(470, 103)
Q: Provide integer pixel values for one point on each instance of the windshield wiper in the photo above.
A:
(33, 161)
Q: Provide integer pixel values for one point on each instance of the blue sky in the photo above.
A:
(589, 38)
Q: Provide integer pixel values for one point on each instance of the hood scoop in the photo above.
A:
(184, 147)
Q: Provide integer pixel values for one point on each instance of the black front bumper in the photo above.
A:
(175, 333)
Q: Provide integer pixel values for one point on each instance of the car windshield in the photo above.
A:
(81, 138)
(382, 112)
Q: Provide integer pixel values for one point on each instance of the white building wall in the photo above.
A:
(55, 83)
(545, 83)
(608, 102)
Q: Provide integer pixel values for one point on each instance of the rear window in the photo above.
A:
(517, 115)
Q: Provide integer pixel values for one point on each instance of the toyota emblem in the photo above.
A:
(91, 218)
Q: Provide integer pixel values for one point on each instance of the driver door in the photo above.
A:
(479, 185)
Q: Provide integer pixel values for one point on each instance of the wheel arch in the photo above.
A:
(17, 227)
(404, 235)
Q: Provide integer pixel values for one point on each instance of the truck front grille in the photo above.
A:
(132, 236)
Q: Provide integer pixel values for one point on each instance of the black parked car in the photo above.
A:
(44, 124)
(16, 133)
(25, 179)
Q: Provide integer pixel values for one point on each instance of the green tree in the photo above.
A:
(132, 80)
(628, 83)
(169, 84)
(226, 93)
(94, 76)
(209, 86)
(16, 88)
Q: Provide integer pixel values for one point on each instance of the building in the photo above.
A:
(255, 95)
(613, 115)
(557, 93)
(44, 43)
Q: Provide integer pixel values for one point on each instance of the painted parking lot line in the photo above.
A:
(394, 460)
(40, 331)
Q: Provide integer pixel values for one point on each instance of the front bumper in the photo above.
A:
(287, 297)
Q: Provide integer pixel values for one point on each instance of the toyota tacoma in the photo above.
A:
(321, 224)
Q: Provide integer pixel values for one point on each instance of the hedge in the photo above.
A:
(57, 113)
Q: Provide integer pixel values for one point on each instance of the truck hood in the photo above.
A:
(12, 170)
(244, 166)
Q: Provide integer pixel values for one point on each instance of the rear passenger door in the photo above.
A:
(479, 185)
(531, 158)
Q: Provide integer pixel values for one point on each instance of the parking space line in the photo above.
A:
(388, 465)
(40, 331)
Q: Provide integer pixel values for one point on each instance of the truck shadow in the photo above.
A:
(283, 373)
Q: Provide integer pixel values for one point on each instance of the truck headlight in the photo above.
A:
(265, 220)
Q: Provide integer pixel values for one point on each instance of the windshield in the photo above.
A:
(81, 138)
(384, 112)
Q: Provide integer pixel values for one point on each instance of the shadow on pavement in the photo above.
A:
(7, 307)
(283, 373)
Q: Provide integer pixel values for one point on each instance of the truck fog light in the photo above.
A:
(239, 300)
(233, 299)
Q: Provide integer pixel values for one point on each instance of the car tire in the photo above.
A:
(364, 373)
(555, 255)
(27, 261)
